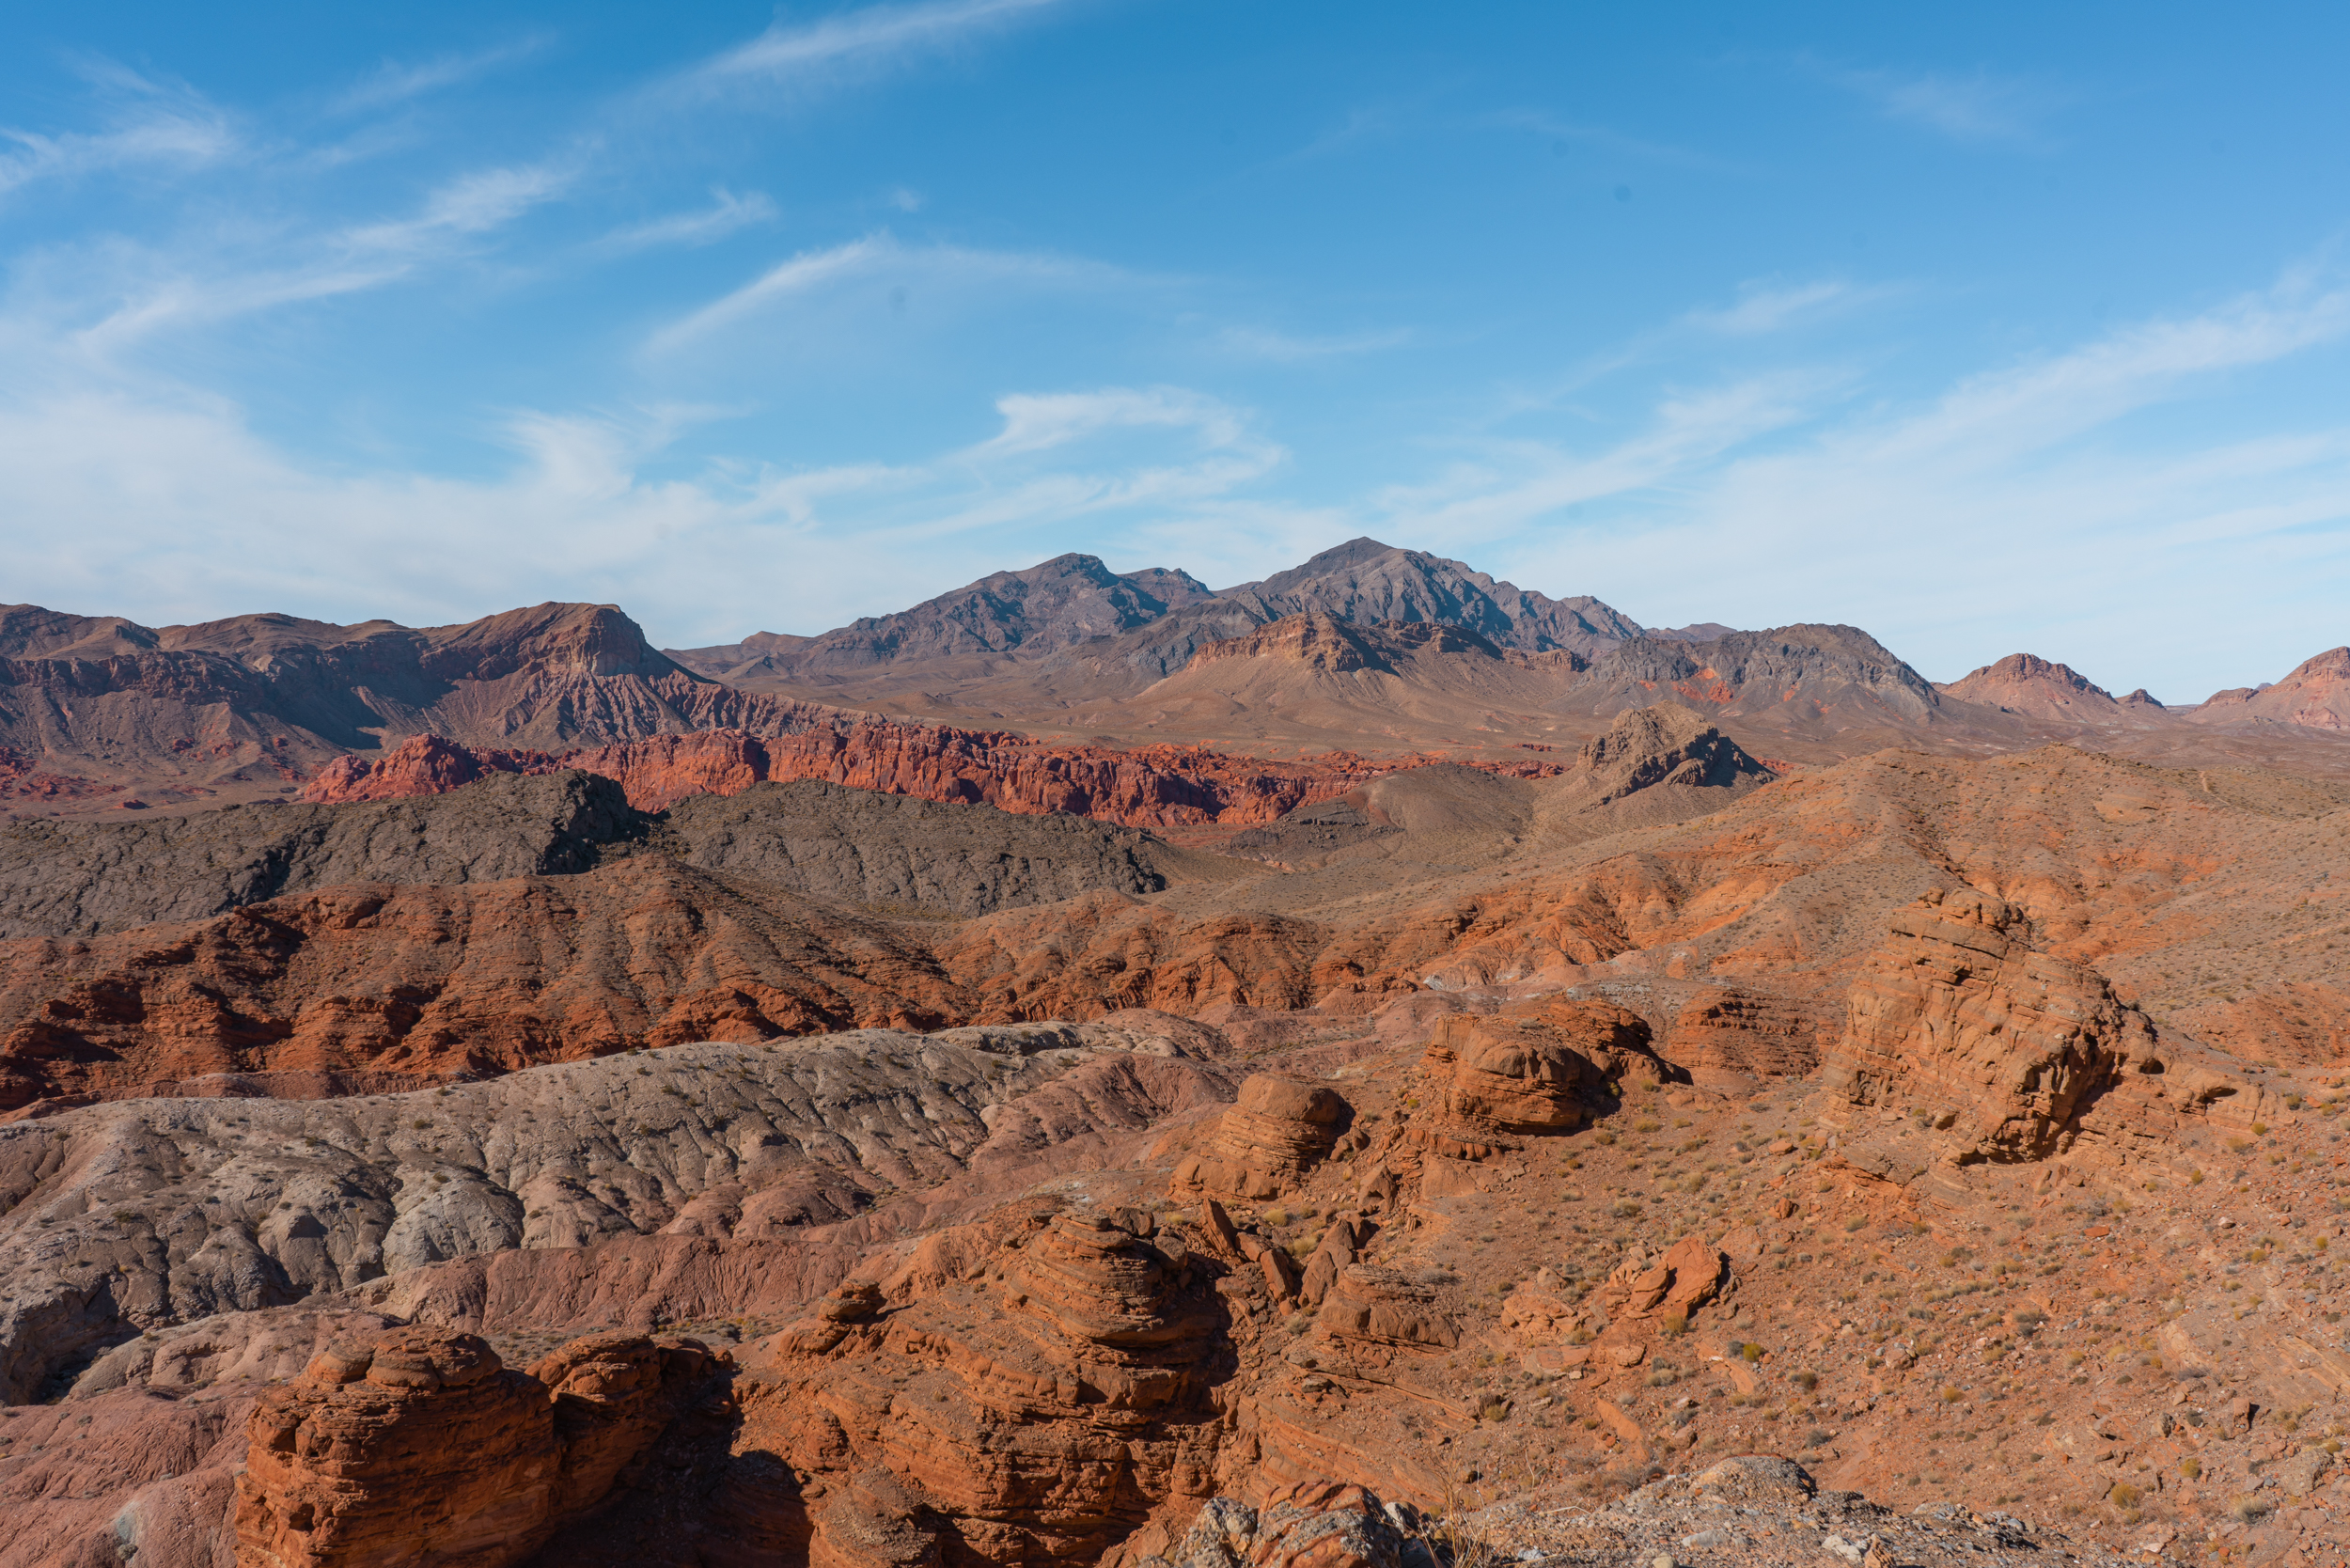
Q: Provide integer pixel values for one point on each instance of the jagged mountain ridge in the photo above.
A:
(1070, 599)
(1151, 622)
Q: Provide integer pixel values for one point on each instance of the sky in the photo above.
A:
(1988, 328)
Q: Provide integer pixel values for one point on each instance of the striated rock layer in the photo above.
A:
(1161, 786)
(1959, 1019)
(1278, 1129)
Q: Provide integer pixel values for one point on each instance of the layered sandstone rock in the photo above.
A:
(1037, 1414)
(1384, 1309)
(1726, 1033)
(1673, 1283)
(1161, 786)
(1277, 1130)
(1531, 1069)
(1958, 1019)
(417, 1446)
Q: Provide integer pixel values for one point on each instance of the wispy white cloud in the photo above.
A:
(790, 54)
(146, 123)
(1765, 308)
(874, 255)
(131, 293)
(726, 214)
(1981, 107)
(395, 82)
(1513, 486)
(1035, 422)
(474, 203)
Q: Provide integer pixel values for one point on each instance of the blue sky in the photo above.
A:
(1986, 328)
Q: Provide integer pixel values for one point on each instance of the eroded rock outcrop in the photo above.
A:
(417, 1446)
(1158, 786)
(1673, 1283)
(1378, 1310)
(1277, 1130)
(1531, 1069)
(1307, 1524)
(1960, 1020)
(141, 1214)
(1037, 1413)
(1728, 1033)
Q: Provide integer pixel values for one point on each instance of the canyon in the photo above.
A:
(1373, 1067)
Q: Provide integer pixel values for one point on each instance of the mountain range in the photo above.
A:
(1364, 648)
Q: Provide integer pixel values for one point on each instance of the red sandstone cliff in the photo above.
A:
(1159, 786)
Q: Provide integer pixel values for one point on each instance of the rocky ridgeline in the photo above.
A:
(1158, 786)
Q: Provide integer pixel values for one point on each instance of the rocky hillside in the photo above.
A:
(1484, 1166)
(103, 710)
(2316, 694)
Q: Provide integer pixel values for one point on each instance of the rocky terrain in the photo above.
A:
(1692, 1097)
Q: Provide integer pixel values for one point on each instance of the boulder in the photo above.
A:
(1532, 1069)
(417, 1446)
(1039, 1411)
(1307, 1524)
(1277, 1131)
(1385, 1307)
(1959, 1020)
(1672, 1283)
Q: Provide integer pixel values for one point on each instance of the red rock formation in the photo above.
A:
(1148, 787)
(1671, 1284)
(1528, 1068)
(1382, 1309)
(1277, 1130)
(1733, 1033)
(1037, 1414)
(418, 1447)
(432, 982)
(1959, 1019)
